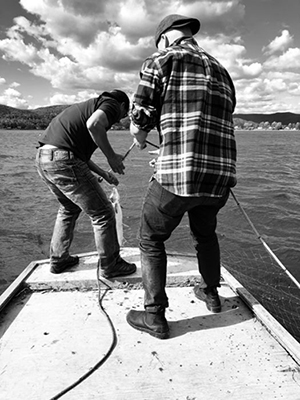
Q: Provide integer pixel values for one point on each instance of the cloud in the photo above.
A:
(232, 54)
(59, 98)
(68, 18)
(14, 84)
(13, 98)
(217, 16)
(15, 49)
(279, 44)
(94, 40)
(266, 93)
(2, 81)
(290, 60)
(84, 47)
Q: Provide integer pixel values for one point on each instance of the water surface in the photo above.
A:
(268, 190)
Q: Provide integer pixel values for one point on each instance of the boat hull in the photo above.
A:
(54, 331)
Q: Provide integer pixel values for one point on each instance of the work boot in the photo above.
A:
(210, 296)
(58, 268)
(121, 268)
(153, 323)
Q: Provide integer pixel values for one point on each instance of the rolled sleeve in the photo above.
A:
(144, 118)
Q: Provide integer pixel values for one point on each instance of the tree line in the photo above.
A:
(39, 119)
(265, 125)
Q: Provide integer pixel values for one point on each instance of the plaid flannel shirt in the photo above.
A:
(189, 97)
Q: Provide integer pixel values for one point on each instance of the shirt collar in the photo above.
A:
(181, 39)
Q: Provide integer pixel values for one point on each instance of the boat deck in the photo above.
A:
(55, 332)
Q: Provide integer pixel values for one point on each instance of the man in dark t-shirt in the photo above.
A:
(64, 163)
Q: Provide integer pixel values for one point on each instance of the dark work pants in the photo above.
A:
(161, 214)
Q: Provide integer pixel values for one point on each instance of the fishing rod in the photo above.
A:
(100, 178)
(128, 151)
(152, 144)
(256, 233)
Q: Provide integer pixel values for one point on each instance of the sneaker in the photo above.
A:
(211, 298)
(122, 268)
(154, 324)
(61, 267)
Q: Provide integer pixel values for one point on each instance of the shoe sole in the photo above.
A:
(117, 274)
(214, 310)
(157, 335)
(60, 270)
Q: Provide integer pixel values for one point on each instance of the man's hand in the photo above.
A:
(111, 178)
(116, 163)
(139, 135)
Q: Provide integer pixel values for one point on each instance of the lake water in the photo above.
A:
(268, 190)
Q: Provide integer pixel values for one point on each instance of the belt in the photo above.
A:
(55, 154)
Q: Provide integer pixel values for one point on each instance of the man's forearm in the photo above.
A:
(107, 175)
(143, 118)
(100, 138)
(139, 134)
(96, 169)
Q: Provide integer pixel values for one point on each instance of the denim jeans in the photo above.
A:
(77, 189)
(161, 213)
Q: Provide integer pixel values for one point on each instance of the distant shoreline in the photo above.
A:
(38, 119)
(127, 130)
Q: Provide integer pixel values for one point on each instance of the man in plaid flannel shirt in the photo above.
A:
(189, 97)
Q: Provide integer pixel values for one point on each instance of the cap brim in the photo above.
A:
(194, 24)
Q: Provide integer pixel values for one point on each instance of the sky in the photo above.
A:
(66, 51)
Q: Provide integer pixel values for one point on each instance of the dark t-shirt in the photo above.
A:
(68, 129)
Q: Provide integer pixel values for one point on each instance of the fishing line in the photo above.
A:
(263, 242)
(256, 233)
(113, 330)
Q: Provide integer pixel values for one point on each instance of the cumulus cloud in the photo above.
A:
(15, 49)
(290, 60)
(15, 84)
(232, 55)
(60, 98)
(217, 16)
(260, 86)
(279, 44)
(79, 37)
(84, 47)
(266, 93)
(13, 98)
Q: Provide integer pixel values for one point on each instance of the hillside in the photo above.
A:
(50, 110)
(6, 110)
(285, 118)
(39, 118)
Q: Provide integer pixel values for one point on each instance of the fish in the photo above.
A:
(115, 200)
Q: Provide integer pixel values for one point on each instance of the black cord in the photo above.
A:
(110, 350)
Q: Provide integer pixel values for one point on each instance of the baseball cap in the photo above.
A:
(120, 96)
(176, 21)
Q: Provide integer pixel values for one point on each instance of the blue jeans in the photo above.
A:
(161, 214)
(77, 189)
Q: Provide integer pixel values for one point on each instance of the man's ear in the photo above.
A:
(163, 42)
(167, 42)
